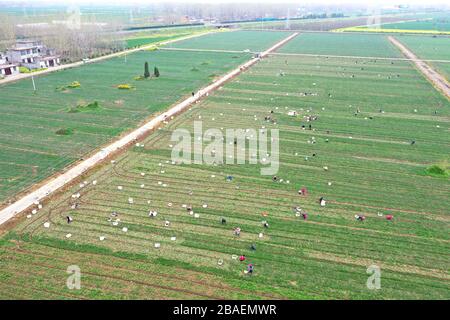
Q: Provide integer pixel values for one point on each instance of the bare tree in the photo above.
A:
(7, 31)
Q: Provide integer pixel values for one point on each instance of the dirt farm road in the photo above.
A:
(27, 201)
(434, 77)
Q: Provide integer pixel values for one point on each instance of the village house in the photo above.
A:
(7, 68)
(32, 54)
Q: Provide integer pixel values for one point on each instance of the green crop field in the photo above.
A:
(323, 24)
(433, 48)
(430, 24)
(425, 23)
(235, 40)
(42, 132)
(142, 38)
(146, 40)
(358, 155)
(369, 45)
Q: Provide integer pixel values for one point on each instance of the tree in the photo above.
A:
(156, 72)
(146, 71)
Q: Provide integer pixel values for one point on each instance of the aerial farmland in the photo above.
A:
(59, 118)
(362, 180)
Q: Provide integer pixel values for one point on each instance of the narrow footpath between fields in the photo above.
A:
(434, 77)
(81, 168)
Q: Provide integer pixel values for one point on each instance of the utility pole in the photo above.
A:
(34, 85)
(131, 20)
(288, 19)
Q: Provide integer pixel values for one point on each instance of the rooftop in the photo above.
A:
(24, 48)
(3, 66)
(26, 41)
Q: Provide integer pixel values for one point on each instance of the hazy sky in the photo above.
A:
(299, 2)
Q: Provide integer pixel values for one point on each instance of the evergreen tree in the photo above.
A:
(156, 72)
(146, 71)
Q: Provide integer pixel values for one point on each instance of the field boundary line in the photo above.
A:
(121, 144)
(440, 35)
(437, 80)
(206, 50)
(22, 76)
(356, 57)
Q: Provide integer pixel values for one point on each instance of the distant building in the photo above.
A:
(32, 54)
(7, 68)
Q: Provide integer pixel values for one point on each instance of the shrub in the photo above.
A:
(437, 170)
(124, 87)
(85, 107)
(39, 69)
(64, 131)
(24, 70)
(194, 69)
(137, 78)
(74, 84)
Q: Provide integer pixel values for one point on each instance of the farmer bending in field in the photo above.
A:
(69, 219)
(237, 231)
(250, 268)
(224, 221)
(322, 202)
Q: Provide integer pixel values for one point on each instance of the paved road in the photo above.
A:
(435, 78)
(65, 178)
